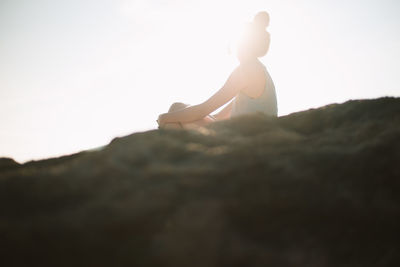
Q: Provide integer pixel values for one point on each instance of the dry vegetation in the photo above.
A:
(315, 188)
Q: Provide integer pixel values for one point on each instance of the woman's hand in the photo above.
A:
(161, 119)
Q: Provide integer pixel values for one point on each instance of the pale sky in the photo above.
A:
(75, 74)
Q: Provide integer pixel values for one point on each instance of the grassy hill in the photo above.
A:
(314, 188)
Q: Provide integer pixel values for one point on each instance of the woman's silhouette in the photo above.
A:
(249, 86)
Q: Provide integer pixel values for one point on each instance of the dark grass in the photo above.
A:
(315, 188)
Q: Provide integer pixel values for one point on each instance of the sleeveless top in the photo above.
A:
(266, 103)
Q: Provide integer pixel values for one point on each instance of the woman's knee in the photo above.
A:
(177, 106)
(172, 125)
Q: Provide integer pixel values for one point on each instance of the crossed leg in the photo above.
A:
(190, 125)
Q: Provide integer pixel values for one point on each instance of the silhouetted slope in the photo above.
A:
(7, 164)
(315, 188)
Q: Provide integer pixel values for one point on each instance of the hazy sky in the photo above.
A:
(75, 74)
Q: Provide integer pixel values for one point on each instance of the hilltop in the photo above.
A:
(314, 188)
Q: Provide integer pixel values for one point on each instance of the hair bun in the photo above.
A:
(261, 19)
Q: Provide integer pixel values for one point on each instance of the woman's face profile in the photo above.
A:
(242, 50)
(243, 44)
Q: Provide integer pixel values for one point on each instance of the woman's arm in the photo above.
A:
(225, 113)
(230, 89)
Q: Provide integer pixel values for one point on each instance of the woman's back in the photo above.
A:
(265, 103)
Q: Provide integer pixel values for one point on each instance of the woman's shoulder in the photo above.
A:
(251, 67)
(252, 71)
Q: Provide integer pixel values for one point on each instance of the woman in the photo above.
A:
(249, 85)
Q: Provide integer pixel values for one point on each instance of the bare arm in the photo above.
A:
(230, 89)
(225, 113)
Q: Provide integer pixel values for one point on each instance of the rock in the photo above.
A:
(314, 188)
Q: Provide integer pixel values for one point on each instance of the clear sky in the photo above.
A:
(76, 73)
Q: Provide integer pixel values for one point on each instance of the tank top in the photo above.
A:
(266, 103)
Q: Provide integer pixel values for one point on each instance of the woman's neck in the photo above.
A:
(249, 60)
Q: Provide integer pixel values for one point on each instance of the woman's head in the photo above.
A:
(254, 41)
